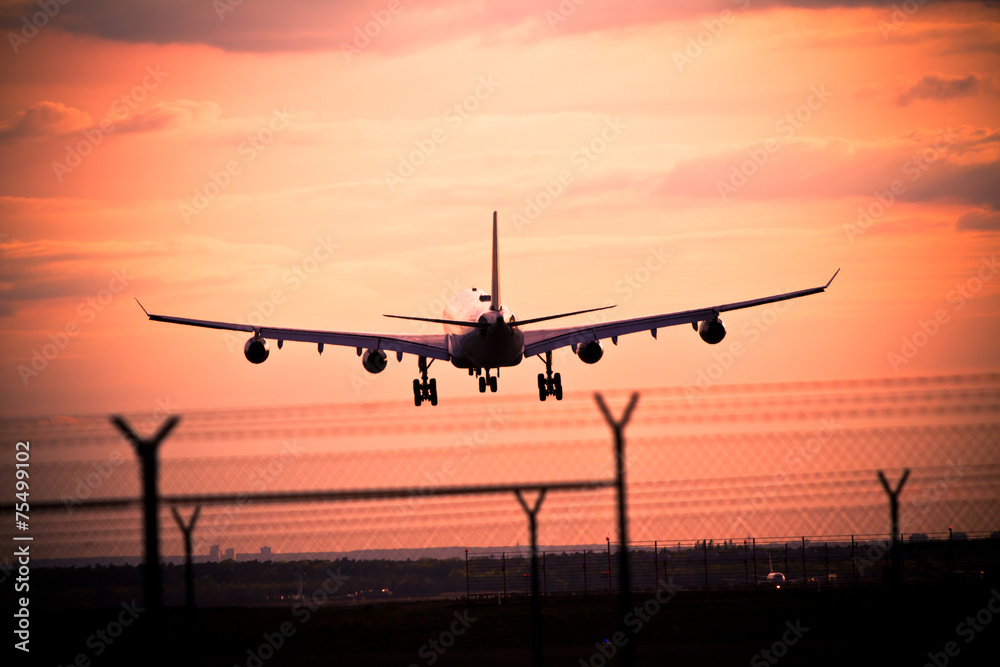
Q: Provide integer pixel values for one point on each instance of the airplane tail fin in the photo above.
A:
(495, 287)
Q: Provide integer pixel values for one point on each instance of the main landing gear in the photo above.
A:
(424, 389)
(549, 384)
(487, 381)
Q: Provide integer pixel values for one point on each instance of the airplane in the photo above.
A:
(481, 334)
(773, 579)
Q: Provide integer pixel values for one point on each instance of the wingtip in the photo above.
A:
(831, 278)
(141, 306)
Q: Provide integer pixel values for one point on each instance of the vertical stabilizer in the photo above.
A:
(495, 287)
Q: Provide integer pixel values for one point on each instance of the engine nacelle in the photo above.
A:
(256, 350)
(712, 331)
(374, 361)
(590, 353)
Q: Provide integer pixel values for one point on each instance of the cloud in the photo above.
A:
(312, 25)
(47, 120)
(44, 120)
(961, 166)
(169, 116)
(938, 87)
(983, 220)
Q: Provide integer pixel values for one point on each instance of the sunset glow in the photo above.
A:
(318, 165)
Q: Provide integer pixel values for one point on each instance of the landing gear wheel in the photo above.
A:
(482, 385)
(493, 384)
(424, 389)
(549, 384)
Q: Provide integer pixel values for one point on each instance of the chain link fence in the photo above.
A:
(733, 462)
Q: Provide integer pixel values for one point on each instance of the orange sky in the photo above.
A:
(256, 163)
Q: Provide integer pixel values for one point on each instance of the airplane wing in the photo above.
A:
(433, 346)
(539, 341)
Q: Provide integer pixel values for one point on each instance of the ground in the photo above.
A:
(869, 626)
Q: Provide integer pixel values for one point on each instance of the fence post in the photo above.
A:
(536, 610)
(854, 564)
(584, 574)
(503, 568)
(187, 529)
(656, 568)
(468, 596)
(147, 451)
(754, 562)
(609, 565)
(746, 566)
(803, 560)
(951, 561)
(896, 564)
(704, 545)
(624, 583)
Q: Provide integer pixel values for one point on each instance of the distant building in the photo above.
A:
(265, 553)
(213, 554)
(230, 554)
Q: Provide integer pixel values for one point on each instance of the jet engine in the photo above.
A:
(712, 331)
(374, 361)
(256, 350)
(590, 353)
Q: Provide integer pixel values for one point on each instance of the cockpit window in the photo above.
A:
(485, 297)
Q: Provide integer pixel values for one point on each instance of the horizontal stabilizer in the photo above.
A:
(466, 323)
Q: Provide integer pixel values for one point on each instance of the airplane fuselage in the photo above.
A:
(498, 343)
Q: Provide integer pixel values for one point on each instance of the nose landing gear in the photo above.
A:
(549, 383)
(424, 389)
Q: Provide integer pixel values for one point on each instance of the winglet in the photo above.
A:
(831, 279)
(495, 287)
(141, 306)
